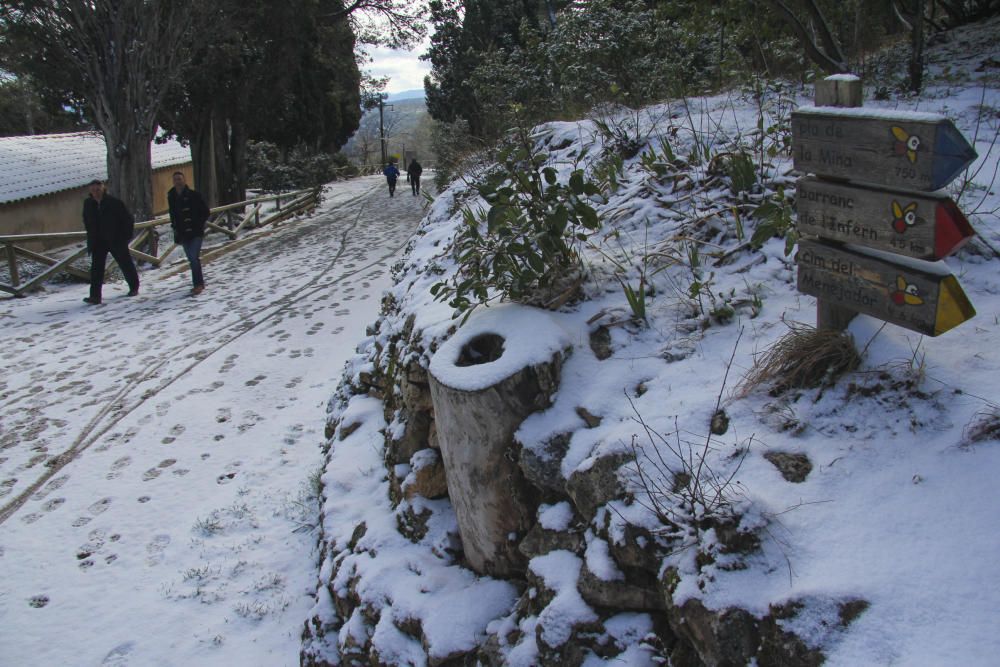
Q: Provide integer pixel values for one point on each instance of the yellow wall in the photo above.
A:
(63, 211)
(163, 181)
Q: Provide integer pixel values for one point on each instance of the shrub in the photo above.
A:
(525, 243)
(272, 170)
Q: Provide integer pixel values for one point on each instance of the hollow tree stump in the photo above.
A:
(494, 372)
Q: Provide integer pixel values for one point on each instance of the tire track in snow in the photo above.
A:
(99, 425)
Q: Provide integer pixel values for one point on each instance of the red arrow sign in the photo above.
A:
(922, 226)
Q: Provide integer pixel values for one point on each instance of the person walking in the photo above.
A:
(109, 228)
(413, 172)
(391, 172)
(188, 214)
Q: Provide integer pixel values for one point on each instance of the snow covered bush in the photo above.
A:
(524, 248)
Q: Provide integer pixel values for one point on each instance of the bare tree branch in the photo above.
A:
(832, 63)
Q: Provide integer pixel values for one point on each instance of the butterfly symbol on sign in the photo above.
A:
(903, 218)
(906, 143)
(906, 293)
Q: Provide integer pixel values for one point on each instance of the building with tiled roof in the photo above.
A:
(43, 179)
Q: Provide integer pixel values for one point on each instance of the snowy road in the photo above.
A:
(155, 453)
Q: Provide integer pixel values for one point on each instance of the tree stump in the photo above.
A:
(494, 372)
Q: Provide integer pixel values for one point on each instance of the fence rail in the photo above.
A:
(147, 237)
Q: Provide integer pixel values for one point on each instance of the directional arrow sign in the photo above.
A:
(923, 301)
(918, 151)
(921, 226)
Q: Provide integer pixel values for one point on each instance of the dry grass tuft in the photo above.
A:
(805, 357)
(984, 426)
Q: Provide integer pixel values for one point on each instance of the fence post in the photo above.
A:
(12, 262)
(153, 244)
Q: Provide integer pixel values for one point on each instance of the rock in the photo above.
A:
(720, 422)
(598, 484)
(331, 428)
(540, 541)
(793, 467)
(590, 419)
(637, 550)
(412, 521)
(415, 390)
(733, 538)
(617, 593)
(823, 617)
(542, 468)
(426, 476)
(416, 432)
(724, 638)
(600, 342)
(778, 647)
(347, 429)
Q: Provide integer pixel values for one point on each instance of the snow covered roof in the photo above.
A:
(36, 165)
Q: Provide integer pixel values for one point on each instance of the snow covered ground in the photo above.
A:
(899, 507)
(159, 455)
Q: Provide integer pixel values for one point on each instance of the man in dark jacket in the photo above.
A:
(188, 214)
(391, 172)
(414, 171)
(109, 229)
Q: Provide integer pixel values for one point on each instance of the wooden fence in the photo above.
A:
(223, 219)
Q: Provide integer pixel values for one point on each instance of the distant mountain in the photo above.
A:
(416, 93)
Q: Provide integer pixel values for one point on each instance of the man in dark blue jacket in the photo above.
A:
(109, 229)
(188, 214)
(391, 172)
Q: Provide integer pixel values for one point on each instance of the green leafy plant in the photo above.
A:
(774, 219)
(742, 173)
(524, 244)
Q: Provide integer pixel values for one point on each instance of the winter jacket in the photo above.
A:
(391, 173)
(414, 170)
(188, 213)
(108, 223)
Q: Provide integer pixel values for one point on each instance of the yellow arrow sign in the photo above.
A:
(923, 301)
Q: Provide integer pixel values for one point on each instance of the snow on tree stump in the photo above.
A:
(502, 366)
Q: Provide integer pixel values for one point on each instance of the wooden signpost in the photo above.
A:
(899, 158)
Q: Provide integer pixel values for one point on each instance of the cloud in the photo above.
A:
(404, 68)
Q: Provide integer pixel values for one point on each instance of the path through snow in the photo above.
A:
(155, 453)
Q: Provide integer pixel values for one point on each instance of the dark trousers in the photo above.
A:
(392, 186)
(99, 256)
(192, 249)
(415, 184)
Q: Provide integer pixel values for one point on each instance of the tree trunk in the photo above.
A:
(129, 172)
(205, 179)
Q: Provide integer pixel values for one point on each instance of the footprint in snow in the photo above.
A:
(38, 601)
(155, 549)
(53, 504)
(100, 506)
(118, 656)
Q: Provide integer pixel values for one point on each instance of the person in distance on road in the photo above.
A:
(413, 172)
(109, 228)
(188, 214)
(391, 172)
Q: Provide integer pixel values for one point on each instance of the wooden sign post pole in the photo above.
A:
(836, 92)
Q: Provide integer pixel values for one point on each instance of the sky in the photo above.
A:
(404, 68)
